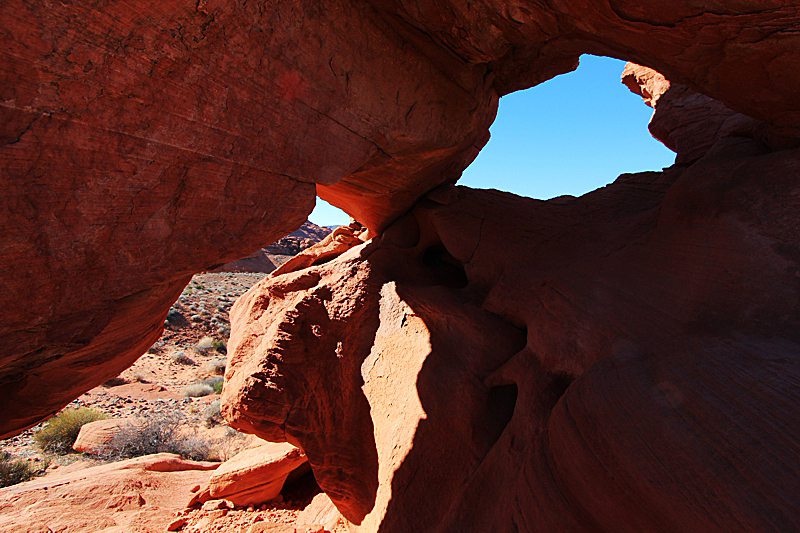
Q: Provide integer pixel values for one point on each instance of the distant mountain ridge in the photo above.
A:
(273, 255)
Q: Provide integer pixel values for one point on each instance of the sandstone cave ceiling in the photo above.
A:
(143, 142)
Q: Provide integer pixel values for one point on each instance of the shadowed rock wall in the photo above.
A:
(142, 142)
(625, 361)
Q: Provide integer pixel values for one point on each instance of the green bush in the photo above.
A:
(60, 433)
(219, 346)
(217, 387)
(13, 471)
(159, 433)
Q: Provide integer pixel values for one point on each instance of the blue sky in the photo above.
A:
(569, 135)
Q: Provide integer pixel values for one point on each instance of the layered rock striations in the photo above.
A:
(623, 361)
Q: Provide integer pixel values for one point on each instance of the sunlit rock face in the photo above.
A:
(142, 142)
(626, 361)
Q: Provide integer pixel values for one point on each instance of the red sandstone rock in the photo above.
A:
(94, 436)
(626, 361)
(266, 527)
(177, 524)
(137, 495)
(254, 475)
(145, 142)
(690, 123)
(319, 516)
(621, 362)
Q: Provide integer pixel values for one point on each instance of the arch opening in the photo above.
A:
(568, 136)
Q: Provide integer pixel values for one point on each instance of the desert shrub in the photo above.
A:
(13, 471)
(197, 389)
(217, 387)
(204, 345)
(182, 358)
(212, 415)
(157, 434)
(216, 366)
(226, 447)
(60, 433)
(219, 346)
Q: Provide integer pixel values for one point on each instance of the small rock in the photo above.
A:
(213, 505)
(177, 524)
(201, 524)
(219, 513)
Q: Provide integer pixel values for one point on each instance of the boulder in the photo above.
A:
(95, 436)
(319, 516)
(254, 475)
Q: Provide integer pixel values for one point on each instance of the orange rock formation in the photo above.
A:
(623, 361)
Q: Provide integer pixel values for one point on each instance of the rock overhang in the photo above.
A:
(141, 146)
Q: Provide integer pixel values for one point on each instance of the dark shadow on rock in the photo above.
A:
(677, 317)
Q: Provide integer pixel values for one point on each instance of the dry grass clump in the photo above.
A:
(215, 383)
(196, 390)
(182, 358)
(212, 415)
(205, 344)
(157, 434)
(60, 433)
(216, 366)
(232, 443)
(13, 471)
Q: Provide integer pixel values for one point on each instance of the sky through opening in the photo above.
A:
(569, 135)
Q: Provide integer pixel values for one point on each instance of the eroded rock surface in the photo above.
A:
(141, 143)
(690, 123)
(138, 495)
(254, 475)
(625, 361)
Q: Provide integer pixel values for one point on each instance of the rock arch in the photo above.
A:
(141, 143)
